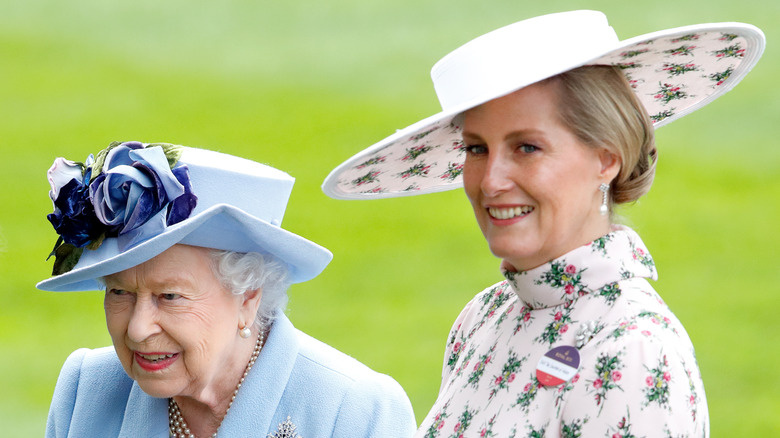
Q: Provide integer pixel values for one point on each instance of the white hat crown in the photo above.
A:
(520, 53)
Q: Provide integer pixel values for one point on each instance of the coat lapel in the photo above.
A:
(145, 415)
(261, 394)
(255, 404)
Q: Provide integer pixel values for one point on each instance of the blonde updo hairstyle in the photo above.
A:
(599, 107)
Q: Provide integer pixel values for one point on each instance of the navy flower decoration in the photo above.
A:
(130, 191)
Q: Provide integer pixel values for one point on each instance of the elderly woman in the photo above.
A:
(188, 246)
(549, 123)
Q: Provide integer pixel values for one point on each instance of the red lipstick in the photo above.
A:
(157, 364)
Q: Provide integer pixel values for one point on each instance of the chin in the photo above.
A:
(519, 261)
(157, 389)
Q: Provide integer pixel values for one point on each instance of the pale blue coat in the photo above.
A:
(324, 392)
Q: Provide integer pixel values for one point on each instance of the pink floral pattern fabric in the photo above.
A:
(637, 377)
(671, 75)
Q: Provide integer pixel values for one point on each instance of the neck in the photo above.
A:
(205, 411)
(202, 420)
(527, 264)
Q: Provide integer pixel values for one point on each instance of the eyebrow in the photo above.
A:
(520, 133)
(172, 282)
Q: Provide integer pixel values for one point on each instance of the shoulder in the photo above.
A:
(364, 402)
(85, 368)
(640, 320)
(81, 389)
(645, 316)
(484, 305)
(646, 378)
(90, 361)
(640, 366)
(93, 368)
(637, 373)
(489, 307)
(491, 303)
(324, 356)
(331, 365)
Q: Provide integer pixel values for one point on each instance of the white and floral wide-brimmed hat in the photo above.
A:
(673, 73)
(135, 200)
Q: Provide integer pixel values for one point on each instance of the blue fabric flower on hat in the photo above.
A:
(130, 191)
(74, 216)
(137, 183)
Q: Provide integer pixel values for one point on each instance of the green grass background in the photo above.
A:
(302, 85)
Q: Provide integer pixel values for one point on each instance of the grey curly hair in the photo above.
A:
(242, 272)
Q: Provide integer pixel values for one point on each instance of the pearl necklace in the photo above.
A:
(178, 428)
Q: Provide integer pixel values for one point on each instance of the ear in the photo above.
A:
(250, 303)
(610, 164)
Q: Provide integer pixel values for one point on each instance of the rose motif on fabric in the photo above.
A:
(129, 191)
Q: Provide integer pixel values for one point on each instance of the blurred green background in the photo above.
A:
(302, 85)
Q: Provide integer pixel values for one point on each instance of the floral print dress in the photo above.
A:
(637, 374)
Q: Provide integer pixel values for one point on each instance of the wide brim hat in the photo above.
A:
(240, 206)
(673, 72)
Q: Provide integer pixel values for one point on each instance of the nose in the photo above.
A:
(496, 178)
(144, 320)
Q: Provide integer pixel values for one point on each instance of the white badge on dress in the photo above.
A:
(558, 365)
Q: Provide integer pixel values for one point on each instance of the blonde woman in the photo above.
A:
(547, 124)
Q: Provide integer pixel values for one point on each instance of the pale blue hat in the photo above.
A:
(198, 197)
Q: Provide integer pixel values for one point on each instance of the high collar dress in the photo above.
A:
(637, 374)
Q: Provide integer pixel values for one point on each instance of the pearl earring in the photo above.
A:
(604, 209)
(245, 332)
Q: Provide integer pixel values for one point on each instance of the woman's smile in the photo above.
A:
(155, 361)
(532, 183)
(501, 214)
(169, 305)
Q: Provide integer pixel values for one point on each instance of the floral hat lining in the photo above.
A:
(673, 72)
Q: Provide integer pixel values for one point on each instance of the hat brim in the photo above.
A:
(220, 227)
(428, 156)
